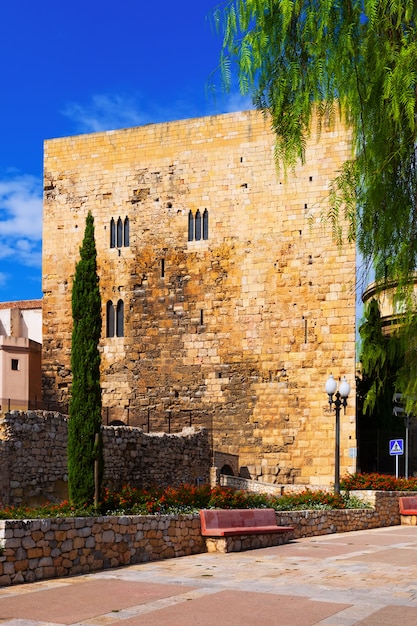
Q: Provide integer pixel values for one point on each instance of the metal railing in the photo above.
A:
(16, 404)
(153, 418)
(150, 419)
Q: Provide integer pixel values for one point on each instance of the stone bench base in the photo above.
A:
(408, 520)
(239, 543)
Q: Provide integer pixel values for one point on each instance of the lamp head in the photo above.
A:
(344, 388)
(331, 385)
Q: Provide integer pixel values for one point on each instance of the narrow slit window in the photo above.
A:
(162, 268)
(119, 233)
(109, 319)
(112, 234)
(198, 225)
(205, 224)
(126, 234)
(120, 319)
(15, 365)
(190, 226)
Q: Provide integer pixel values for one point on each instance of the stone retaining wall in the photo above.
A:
(37, 549)
(47, 548)
(33, 457)
(384, 512)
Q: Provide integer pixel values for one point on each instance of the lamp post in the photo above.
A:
(338, 402)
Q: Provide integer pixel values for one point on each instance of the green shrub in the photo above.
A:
(184, 499)
(377, 482)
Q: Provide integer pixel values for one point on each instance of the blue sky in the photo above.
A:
(77, 67)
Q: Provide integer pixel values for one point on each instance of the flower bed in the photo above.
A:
(186, 499)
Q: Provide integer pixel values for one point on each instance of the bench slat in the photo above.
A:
(246, 530)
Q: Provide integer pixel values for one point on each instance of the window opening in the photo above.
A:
(15, 365)
(205, 224)
(126, 232)
(198, 225)
(162, 268)
(109, 319)
(190, 226)
(119, 233)
(120, 319)
(112, 234)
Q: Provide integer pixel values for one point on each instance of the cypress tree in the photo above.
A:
(85, 404)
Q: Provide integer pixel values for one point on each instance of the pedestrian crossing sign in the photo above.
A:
(396, 446)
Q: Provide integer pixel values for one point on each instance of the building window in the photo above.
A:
(112, 234)
(205, 224)
(126, 232)
(109, 319)
(115, 319)
(120, 319)
(15, 365)
(190, 226)
(197, 225)
(119, 233)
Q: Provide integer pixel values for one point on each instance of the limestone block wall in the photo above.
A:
(240, 326)
(33, 456)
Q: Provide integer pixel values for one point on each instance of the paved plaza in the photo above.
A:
(366, 578)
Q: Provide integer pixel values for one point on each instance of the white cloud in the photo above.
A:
(112, 111)
(237, 102)
(106, 112)
(21, 220)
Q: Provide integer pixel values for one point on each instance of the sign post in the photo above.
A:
(396, 448)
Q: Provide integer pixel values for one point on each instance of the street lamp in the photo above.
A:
(341, 400)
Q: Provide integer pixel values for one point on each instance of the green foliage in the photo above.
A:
(85, 405)
(381, 357)
(388, 362)
(47, 510)
(184, 499)
(354, 58)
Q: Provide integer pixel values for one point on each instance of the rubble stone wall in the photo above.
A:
(33, 455)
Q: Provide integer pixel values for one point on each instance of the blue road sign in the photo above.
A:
(396, 446)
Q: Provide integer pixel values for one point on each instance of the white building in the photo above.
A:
(20, 354)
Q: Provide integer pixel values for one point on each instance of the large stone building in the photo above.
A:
(225, 300)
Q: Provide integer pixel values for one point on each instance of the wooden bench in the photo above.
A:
(233, 530)
(408, 510)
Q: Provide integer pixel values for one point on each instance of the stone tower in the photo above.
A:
(225, 300)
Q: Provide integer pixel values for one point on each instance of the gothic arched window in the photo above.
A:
(190, 226)
(126, 232)
(205, 224)
(109, 319)
(120, 319)
(198, 225)
(119, 233)
(112, 234)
